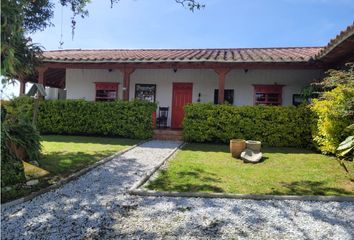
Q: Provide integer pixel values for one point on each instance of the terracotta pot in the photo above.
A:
(237, 146)
(254, 145)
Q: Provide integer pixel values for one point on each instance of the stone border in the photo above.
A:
(150, 193)
(135, 190)
(69, 178)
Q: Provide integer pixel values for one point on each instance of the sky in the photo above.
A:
(136, 24)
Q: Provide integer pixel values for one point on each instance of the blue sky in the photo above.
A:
(221, 24)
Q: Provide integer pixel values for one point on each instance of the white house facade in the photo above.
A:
(175, 77)
(240, 84)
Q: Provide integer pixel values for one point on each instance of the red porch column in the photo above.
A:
(41, 71)
(22, 87)
(221, 83)
(126, 82)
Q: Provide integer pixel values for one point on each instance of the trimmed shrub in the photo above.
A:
(273, 125)
(119, 118)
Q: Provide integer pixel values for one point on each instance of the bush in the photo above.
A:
(334, 109)
(20, 108)
(333, 117)
(125, 119)
(12, 171)
(274, 126)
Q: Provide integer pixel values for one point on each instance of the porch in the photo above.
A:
(174, 78)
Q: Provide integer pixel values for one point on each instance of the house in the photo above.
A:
(175, 77)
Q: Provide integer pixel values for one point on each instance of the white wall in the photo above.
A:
(80, 83)
(293, 81)
(204, 82)
(55, 93)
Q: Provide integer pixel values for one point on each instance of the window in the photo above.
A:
(106, 91)
(300, 99)
(145, 92)
(268, 94)
(228, 96)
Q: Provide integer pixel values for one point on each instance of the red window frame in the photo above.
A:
(106, 86)
(267, 91)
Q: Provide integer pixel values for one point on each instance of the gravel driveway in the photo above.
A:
(95, 206)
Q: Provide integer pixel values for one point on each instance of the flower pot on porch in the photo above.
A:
(237, 146)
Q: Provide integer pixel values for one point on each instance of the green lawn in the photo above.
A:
(64, 155)
(284, 171)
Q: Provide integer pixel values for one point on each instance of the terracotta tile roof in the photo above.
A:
(338, 40)
(236, 55)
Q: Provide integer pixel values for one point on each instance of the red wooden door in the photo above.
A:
(181, 95)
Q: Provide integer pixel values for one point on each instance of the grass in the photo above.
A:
(64, 155)
(283, 171)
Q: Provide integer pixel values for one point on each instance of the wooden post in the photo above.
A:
(41, 71)
(221, 83)
(126, 82)
(22, 87)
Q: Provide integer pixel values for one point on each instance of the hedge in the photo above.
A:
(125, 119)
(275, 126)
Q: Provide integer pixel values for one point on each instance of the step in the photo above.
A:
(168, 134)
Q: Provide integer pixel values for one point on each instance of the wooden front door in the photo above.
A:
(181, 95)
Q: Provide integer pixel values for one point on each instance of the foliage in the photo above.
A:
(284, 171)
(126, 119)
(24, 135)
(19, 56)
(11, 167)
(20, 108)
(273, 125)
(334, 110)
(19, 129)
(347, 146)
(191, 4)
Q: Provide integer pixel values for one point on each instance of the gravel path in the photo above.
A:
(95, 206)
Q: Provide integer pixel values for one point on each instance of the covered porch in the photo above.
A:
(173, 85)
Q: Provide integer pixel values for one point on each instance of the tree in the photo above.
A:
(334, 110)
(19, 18)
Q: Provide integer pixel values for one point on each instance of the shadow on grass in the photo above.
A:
(165, 183)
(89, 139)
(219, 147)
(310, 188)
(59, 165)
(66, 163)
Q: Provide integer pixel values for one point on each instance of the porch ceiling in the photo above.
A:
(340, 49)
(54, 77)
